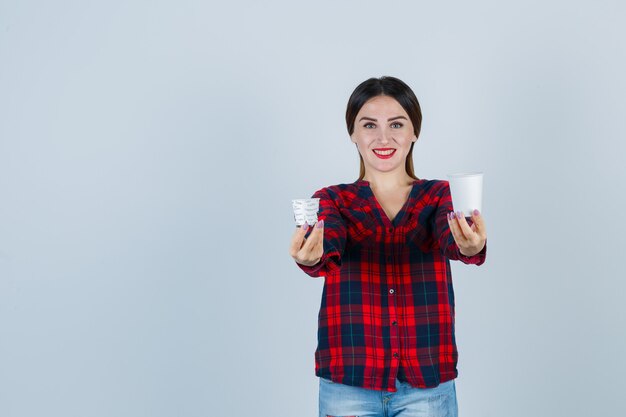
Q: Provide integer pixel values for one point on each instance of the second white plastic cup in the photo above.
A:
(467, 192)
(305, 210)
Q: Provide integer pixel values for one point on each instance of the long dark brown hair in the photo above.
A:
(392, 87)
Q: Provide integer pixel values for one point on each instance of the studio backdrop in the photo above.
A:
(149, 153)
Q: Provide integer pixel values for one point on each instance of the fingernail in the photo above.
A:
(452, 216)
(476, 212)
(459, 214)
(305, 226)
(320, 224)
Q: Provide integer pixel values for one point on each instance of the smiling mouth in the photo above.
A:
(384, 154)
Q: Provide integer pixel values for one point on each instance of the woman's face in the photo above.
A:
(383, 124)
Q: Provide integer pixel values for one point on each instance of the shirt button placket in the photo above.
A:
(394, 331)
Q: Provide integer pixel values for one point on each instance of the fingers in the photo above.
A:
(308, 244)
(297, 240)
(479, 223)
(455, 228)
(469, 238)
(316, 237)
(466, 230)
(312, 250)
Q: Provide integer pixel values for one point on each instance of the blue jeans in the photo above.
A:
(339, 400)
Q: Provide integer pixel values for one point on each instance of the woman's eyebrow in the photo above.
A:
(374, 120)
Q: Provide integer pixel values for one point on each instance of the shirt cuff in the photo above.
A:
(326, 265)
(477, 259)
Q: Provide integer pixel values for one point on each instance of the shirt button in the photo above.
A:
(395, 355)
(394, 323)
(390, 230)
(391, 291)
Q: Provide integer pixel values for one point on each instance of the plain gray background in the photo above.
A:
(149, 152)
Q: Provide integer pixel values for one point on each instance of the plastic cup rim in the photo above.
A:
(304, 199)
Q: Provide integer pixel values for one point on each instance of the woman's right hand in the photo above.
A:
(308, 251)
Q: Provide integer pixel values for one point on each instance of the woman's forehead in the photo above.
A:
(382, 105)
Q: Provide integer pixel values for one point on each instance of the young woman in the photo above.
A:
(386, 342)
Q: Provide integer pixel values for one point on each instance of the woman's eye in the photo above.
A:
(368, 124)
(397, 124)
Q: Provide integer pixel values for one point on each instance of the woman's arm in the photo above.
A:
(334, 236)
(443, 234)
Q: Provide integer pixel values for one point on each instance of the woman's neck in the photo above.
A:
(387, 182)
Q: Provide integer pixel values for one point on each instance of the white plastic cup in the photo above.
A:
(305, 210)
(467, 192)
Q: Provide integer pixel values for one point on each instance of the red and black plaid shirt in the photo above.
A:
(388, 299)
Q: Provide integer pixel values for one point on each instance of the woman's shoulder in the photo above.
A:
(344, 187)
(436, 183)
(346, 194)
(436, 187)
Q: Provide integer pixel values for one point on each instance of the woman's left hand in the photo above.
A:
(470, 239)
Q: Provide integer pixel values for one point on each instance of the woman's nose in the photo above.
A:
(384, 136)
